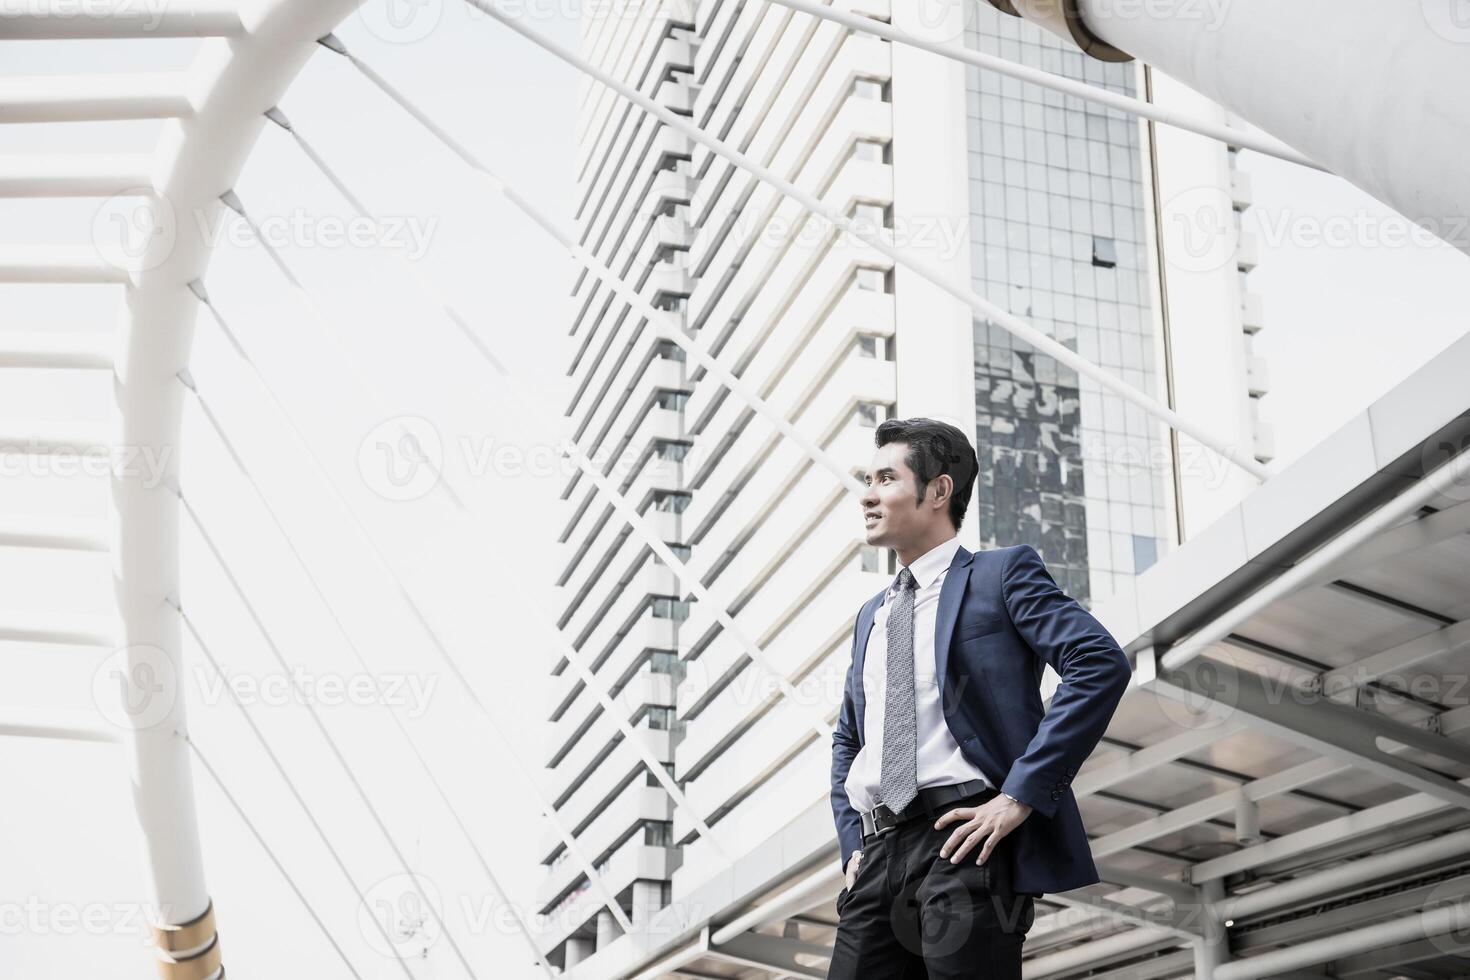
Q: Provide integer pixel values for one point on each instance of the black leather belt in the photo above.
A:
(880, 820)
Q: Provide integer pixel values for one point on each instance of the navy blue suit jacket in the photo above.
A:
(1001, 618)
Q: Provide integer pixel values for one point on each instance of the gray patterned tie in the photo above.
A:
(898, 783)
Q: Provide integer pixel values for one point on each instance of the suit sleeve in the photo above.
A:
(845, 747)
(1094, 673)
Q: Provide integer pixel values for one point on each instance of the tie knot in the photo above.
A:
(906, 580)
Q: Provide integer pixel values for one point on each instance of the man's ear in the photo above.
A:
(946, 488)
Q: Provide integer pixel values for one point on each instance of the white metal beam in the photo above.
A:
(1413, 535)
(1340, 683)
(93, 98)
(48, 438)
(40, 349)
(56, 264)
(74, 174)
(69, 630)
(35, 532)
(59, 20)
(77, 726)
(1151, 757)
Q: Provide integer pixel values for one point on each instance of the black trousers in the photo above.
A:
(912, 914)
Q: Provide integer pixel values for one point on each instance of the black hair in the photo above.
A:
(935, 449)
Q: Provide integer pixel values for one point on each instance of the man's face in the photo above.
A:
(889, 513)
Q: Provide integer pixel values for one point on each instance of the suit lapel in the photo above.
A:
(951, 593)
(859, 657)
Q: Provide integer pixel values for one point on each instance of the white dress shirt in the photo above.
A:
(940, 758)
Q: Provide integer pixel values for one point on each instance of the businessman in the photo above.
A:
(950, 784)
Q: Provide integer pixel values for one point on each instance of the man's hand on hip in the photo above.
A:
(852, 867)
(987, 823)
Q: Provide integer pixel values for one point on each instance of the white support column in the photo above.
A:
(607, 929)
(578, 949)
(199, 157)
(933, 333)
(1213, 949)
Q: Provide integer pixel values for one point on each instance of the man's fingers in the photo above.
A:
(959, 813)
(989, 846)
(969, 842)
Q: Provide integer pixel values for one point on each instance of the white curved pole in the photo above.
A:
(197, 157)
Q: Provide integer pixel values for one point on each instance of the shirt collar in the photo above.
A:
(927, 567)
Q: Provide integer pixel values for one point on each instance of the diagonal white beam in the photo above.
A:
(1340, 683)
(362, 663)
(959, 290)
(1057, 83)
(420, 619)
(630, 514)
(94, 98)
(306, 810)
(68, 20)
(1150, 757)
(666, 326)
(56, 264)
(1421, 532)
(38, 349)
(270, 853)
(305, 701)
(74, 174)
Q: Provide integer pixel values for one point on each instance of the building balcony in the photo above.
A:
(1240, 189)
(1258, 375)
(1247, 251)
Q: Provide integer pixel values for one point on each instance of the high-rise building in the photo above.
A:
(1044, 204)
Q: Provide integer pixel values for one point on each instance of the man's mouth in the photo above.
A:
(871, 519)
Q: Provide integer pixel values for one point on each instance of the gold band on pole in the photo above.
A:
(190, 950)
(187, 935)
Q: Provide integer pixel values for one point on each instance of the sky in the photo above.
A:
(363, 359)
